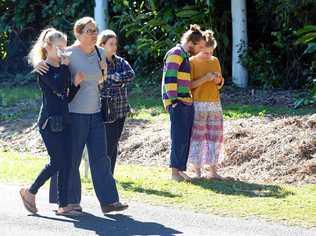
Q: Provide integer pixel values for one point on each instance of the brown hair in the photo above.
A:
(194, 35)
(105, 35)
(81, 23)
(38, 51)
(208, 36)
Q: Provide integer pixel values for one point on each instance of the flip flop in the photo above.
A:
(29, 206)
(75, 207)
(68, 213)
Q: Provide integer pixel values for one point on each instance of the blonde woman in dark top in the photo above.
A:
(53, 121)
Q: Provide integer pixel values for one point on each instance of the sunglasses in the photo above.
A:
(91, 31)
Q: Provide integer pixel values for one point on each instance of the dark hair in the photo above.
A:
(194, 35)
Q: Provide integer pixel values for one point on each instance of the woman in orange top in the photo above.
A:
(206, 147)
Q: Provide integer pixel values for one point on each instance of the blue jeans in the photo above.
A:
(181, 119)
(58, 148)
(89, 129)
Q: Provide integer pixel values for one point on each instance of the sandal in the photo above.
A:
(118, 206)
(75, 207)
(66, 211)
(29, 206)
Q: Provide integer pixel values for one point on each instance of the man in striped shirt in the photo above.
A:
(177, 98)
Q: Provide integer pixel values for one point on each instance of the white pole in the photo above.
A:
(101, 14)
(240, 41)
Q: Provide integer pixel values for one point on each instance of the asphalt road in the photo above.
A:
(139, 219)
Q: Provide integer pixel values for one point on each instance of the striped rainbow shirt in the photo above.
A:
(176, 77)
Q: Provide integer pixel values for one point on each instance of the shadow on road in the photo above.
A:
(119, 224)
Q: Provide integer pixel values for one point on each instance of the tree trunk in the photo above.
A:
(101, 14)
(240, 41)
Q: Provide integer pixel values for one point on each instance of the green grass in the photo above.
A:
(145, 106)
(292, 204)
(151, 108)
(16, 102)
(236, 111)
(10, 96)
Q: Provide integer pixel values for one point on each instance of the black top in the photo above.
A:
(57, 92)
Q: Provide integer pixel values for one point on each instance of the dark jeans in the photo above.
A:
(181, 119)
(89, 129)
(113, 134)
(58, 148)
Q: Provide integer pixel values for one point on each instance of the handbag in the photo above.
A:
(56, 123)
(107, 101)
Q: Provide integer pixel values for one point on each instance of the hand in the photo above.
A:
(218, 79)
(79, 77)
(103, 65)
(211, 76)
(41, 68)
(65, 60)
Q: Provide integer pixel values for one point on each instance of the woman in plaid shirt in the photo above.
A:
(119, 76)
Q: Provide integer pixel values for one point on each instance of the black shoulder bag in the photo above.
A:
(107, 101)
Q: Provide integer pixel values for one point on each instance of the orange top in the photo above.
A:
(209, 91)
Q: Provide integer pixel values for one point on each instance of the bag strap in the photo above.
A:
(100, 59)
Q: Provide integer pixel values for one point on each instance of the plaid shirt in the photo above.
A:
(119, 75)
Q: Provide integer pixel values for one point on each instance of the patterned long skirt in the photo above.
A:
(207, 139)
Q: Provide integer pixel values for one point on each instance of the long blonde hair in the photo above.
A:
(208, 36)
(38, 51)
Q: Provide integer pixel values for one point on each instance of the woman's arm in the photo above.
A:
(73, 88)
(51, 84)
(203, 79)
(124, 74)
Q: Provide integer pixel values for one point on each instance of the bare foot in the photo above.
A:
(185, 176)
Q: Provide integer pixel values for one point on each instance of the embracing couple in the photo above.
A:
(191, 82)
(71, 117)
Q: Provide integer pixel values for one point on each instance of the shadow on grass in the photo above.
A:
(130, 186)
(243, 188)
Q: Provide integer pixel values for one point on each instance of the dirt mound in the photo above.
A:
(282, 150)
(257, 149)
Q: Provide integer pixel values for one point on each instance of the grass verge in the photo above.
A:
(291, 204)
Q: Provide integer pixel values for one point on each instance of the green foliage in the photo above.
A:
(307, 35)
(21, 22)
(261, 67)
(275, 61)
(148, 29)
